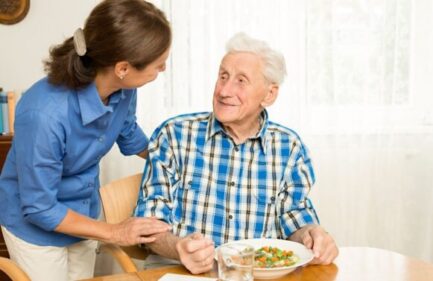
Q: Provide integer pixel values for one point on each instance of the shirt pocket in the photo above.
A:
(189, 193)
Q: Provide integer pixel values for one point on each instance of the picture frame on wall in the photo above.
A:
(13, 11)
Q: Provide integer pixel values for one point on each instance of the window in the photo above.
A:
(358, 52)
(350, 62)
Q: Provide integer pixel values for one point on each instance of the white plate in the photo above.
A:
(305, 256)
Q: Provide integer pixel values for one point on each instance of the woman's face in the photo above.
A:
(137, 78)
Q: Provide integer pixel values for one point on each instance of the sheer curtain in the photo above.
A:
(368, 116)
(358, 91)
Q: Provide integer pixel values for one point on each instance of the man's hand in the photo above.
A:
(137, 231)
(196, 253)
(316, 238)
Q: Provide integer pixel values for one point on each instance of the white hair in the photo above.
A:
(274, 65)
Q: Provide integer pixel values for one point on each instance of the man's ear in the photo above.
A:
(121, 69)
(271, 95)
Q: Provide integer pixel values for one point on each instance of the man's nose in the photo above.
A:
(226, 89)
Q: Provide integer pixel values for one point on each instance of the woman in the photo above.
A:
(64, 124)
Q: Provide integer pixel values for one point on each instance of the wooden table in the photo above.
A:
(353, 264)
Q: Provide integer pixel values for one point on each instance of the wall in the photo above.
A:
(24, 45)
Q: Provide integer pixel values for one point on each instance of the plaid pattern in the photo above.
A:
(198, 180)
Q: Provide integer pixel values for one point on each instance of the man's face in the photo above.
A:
(240, 89)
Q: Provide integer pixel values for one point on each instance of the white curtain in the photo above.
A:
(358, 91)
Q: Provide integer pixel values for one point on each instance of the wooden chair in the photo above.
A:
(12, 270)
(119, 199)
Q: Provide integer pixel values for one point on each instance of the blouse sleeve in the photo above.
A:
(39, 146)
(132, 139)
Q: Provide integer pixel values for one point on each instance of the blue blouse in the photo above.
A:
(53, 164)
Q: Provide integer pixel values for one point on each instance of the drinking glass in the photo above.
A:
(235, 262)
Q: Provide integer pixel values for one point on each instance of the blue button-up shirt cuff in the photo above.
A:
(296, 219)
(134, 144)
(48, 219)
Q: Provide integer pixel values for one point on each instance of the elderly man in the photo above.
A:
(232, 174)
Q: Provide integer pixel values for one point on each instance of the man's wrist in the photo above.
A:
(178, 247)
(297, 235)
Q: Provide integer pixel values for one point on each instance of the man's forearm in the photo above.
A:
(165, 245)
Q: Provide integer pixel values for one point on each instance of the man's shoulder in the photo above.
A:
(188, 119)
(286, 137)
(276, 128)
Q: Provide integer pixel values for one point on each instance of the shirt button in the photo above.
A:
(237, 148)
(190, 183)
(232, 183)
(230, 216)
(273, 198)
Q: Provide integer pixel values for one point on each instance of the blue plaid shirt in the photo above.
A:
(199, 180)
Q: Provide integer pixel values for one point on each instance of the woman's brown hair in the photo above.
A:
(116, 30)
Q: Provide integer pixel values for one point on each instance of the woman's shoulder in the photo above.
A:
(44, 97)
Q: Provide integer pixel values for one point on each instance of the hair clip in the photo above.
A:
(79, 42)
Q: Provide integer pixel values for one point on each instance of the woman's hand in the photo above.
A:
(134, 231)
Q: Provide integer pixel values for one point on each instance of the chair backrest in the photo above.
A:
(13, 270)
(119, 198)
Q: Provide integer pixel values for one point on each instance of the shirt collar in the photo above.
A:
(262, 134)
(91, 106)
(215, 127)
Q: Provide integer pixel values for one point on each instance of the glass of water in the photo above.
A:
(235, 262)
